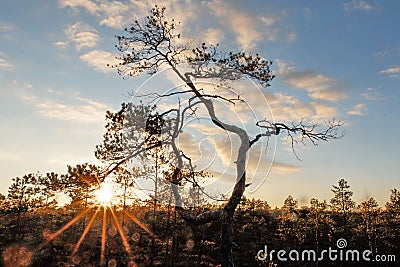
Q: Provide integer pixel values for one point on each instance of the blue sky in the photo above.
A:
(334, 59)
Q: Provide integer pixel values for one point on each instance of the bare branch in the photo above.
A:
(157, 95)
(132, 155)
(194, 181)
(299, 133)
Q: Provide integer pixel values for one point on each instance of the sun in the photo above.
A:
(104, 194)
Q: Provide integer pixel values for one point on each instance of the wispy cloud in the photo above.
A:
(358, 110)
(82, 35)
(392, 72)
(283, 167)
(358, 5)
(4, 64)
(6, 29)
(372, 94)
(98, 59)
(318, 86)
(68, 108)
(86, 110)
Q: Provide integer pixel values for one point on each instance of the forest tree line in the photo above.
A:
(30, 211)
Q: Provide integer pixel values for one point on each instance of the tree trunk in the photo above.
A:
(226, 242)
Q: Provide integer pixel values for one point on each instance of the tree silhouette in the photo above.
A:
(80, 181)
(392, 221)
(369, 212)
(154, 43)
(28, 194)
(3, 204)
(320, 221)
(342, 204)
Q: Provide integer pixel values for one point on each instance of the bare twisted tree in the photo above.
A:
(154, 43)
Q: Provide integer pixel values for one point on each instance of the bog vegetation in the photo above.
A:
(158, 236)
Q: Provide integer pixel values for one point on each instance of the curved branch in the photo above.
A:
(202, 218)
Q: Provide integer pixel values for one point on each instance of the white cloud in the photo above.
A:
(358, 110)
(4, 64)
(113, 22)
(89, 5)
(99, 59)
(358, 5)
(61, 44)
(392, 72)
(113, 14)
(82, 35)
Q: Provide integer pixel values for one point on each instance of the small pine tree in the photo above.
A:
(341, 205)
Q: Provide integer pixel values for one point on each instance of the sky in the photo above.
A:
(336, 59)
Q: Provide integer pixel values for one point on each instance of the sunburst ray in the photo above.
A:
(139, 223)
(103, 236)
(65, 227)
(123, 236)
(87, 228)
